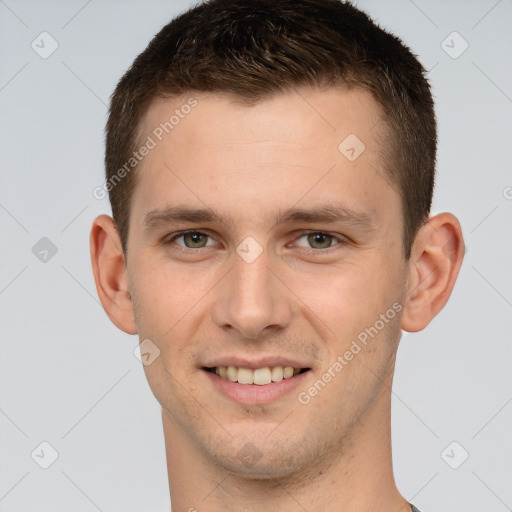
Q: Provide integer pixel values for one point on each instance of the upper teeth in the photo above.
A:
(259, 376)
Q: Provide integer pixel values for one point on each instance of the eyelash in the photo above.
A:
(340, 241)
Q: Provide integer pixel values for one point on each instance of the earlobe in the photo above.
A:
(436, 258)
(110, 274)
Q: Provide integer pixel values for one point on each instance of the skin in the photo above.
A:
(297, 299)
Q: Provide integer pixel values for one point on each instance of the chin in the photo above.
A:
(275, 460)
(263, 469)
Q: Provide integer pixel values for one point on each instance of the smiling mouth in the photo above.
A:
(256, 376)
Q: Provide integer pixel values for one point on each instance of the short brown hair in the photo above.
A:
(253, 49)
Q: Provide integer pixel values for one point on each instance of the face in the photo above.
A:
(262, 238)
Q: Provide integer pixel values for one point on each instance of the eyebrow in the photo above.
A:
(173, 214)
(329, 214)
(325, 215)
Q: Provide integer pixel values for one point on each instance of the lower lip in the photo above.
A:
(252, 394)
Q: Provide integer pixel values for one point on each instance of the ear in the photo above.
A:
(110, 274)
(436, 258)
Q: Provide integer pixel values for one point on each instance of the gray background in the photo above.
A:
(69, 377)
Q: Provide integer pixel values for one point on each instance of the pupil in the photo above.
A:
(319, 240)
(194, 240)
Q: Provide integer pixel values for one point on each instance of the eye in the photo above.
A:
(191, 239)
(317, 240)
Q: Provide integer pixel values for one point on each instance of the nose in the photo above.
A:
(251, 300)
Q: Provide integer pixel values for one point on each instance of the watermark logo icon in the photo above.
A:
(351, 147)
(146, 352)
(249, 250)
(44, 455)
(454, 455)
(44, 250)
(44, 45)
(249, 455)
(454, 45)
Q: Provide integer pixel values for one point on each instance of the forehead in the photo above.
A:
(308, 145)
(313, 118)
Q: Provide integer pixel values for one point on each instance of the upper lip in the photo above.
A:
(253, 363)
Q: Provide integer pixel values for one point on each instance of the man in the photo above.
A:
(270, 165)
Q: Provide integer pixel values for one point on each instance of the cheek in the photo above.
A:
(349, 299)
(164, 297)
